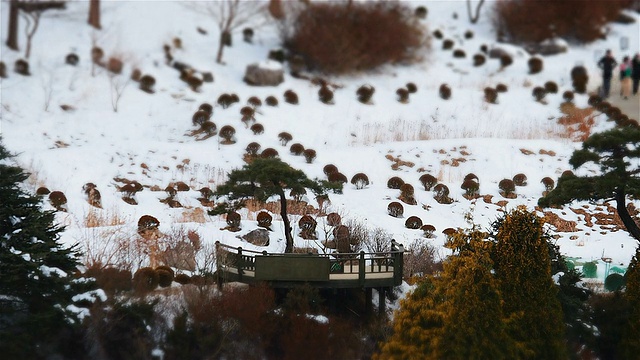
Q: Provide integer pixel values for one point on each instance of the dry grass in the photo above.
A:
(102, 218)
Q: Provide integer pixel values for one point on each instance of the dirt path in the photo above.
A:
(630, 106)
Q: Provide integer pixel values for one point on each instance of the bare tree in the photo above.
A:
(94, 14)
(16, 7)
(33, 21)
(230, 15)
(474, 17)
(47, 87)
(117, 85)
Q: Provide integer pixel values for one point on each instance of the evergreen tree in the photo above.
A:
(37, 314)
(630, 342)
(417, 326)
(523, 269)
(260, 180)
(616, 152)
(474, 327)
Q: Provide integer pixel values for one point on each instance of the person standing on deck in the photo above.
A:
(607, 63)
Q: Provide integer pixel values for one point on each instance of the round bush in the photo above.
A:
(284, 138)
(551, 87)
(253, 148)
(360, 180)
(309, 155)
(42, 190)
(233, 219)
(264, 219)
(225, 100)
(257, 129)
(428, 181)
(484, 48)
(447, 44)
(269, 153)
(307, 223)
(428, 230)
(413, 222)
(407, 190)
(337, 177)
(441, 190)
(247, 113)
(535, 65)
(145, 280)
(296, 149)
(468, 34)
(490, 95)
(421, 12)
(291, 97)
(403, 95)
(395, 182)
(471, 176)
(579, 79)
(271, 101)
(254, 101)
(445, 92)
(326, 95)
(502, 88)
(459, 54)
(594, 100)
(72, 59)
(411, 88)
(57, 199)
(507, 186)
(147, 82)
(227, 132)
(395, 209)
(539, 93)
(368, 34)
(520, 179)
(470, 187)
(147, 222)
(614, 282)
(438, 34)
(182, 279)
(479, 60)
(365, 93)
(567, 96)
(200, 117)
(329, 168)
(505, 60)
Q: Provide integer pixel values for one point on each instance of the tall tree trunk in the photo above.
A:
(12, 33)
(220, 48)
(627, 220)
(94, 14)
(287, 223)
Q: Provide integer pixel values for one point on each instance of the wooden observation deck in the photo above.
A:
(335, 270)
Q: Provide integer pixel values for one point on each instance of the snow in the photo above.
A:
(48, 271)
(146, 141)
(91, 296)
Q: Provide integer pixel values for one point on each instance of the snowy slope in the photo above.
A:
(146, 141)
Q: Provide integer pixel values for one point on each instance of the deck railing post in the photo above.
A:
(240, 263)
(361, 268)
(398, 262)
(219, 271)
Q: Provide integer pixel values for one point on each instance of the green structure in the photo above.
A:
(362, 270)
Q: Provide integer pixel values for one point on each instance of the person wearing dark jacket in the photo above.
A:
(635, 72)
(607, 63)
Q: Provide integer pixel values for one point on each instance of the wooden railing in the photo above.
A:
(330, 270)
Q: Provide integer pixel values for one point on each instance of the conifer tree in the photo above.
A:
(523, 269)
(417, 326)
(37, 312)
(616, 152)
(630, 342)
(260, 180)
(474, 326)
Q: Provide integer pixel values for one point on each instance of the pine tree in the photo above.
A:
(260, 180)
(417, 326)
(630, 342)
(474, 327)
(523, 269)
(616, 153)
(36, 306)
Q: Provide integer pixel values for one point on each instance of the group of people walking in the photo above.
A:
(629, 72)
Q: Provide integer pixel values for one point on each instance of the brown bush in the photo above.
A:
(365, 93)
(548, 183)
(520, 179)
(395, 209)
(329, 168)
(459, 53)
(254, 101)
(253, 148)
(413, 222)
(470, 187)
(490, 95)
(395, 182)
(257, 129)
(42, 190)
(428, 181)
(479, 60)
(445, 92)
(284, 138)
(551, 87)
(309, 155)
(538, 93)
(337, 177)
(264, 219)
(334, 219)
(535, 65)
(296, 149)
(507, 188)
(145, 280)
(339, 39)
(502, 88)
(233, 220)
(505, 60)
(567, 96)
(403, 95)
(579, 79)
(147, 82)
(441, 194)
(199, 117)
(438, 34)
(360, 180)
(227, 132)
(447, 44)
(532, 21)
(58, 200)
(165, 276)
(271, 101)
(269, 153)
(291, 97)
(325, 95)
(111, 280)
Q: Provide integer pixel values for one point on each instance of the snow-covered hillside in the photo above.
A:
(147, 138)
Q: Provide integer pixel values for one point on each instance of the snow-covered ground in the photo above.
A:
(146, 139)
